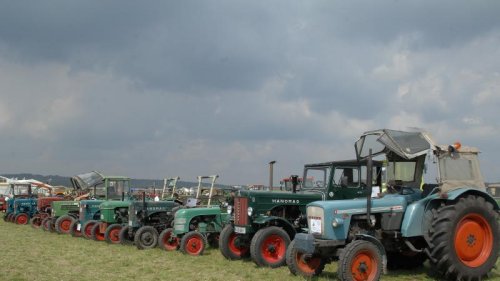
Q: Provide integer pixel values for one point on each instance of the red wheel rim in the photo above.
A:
(237, 250)
(169, 242)
(273, 248)
(65, 225)
(114, 234)
(308, 266)
(99, 236)
(364, 266)
(88, 230)
(473, 240)
(22, 219)
(194, 245)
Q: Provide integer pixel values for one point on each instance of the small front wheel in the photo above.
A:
(268, 246)
(112, 234)
(193, 243)
(168, 241)
(360, 261)
(302, 264)
(124, 236)
(22, 218)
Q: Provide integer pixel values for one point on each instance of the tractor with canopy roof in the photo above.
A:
(22, 205)
(455, 225)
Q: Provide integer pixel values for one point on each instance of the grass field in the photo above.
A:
(31, 254)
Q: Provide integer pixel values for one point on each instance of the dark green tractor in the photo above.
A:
(264, 222)
(123, 222)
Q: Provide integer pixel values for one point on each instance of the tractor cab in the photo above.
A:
(23, 201)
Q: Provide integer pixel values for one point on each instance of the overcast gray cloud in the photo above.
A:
(185, 88)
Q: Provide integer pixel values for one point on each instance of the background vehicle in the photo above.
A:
(264, 222)
(455, 225)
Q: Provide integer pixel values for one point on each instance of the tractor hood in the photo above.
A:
(407, 145)
(284, 197)
(110, 205)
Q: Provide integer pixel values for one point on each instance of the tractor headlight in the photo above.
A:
(53, 212)
(229, 209)
(249, 211)
(337, 222)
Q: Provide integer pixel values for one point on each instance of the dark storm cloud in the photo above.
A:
(185, 87)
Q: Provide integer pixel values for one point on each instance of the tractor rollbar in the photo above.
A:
(369, 176)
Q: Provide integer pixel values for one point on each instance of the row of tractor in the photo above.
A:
(369, 214)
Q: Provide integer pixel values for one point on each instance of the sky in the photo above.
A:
(155, 89)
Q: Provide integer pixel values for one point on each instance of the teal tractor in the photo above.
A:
(103, 188)
(22, 206)
(455, 225)
(197, 226)
(144, 221)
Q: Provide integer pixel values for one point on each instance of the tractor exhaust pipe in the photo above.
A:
(144, 204)
(369, 176)
(271, 172)
(295, 182)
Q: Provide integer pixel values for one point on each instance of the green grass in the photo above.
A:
(32, 254)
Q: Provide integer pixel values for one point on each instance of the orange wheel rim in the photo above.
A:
(473, 240)
(308, 266)
(114, 235)
(364, 266)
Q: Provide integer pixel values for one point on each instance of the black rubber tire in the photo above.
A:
(87, 225)
(167, 241)
(188, 247)
(73, 231)
(6, 217)
(225, 247)
(109, 235)
(306, 267)
(96, 236)
(447, 221)
(63, 219)
(263, 255)
(45, 224)
(10, 217)
(36, 221)
(125, 238)
(146, 237)
(52, 225)
(349, 254)
(397, 260)
(213, 239)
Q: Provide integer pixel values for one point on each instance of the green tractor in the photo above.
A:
(197, 226)
(138, 218)
(104, 188)
(455, 225)
(264, 222)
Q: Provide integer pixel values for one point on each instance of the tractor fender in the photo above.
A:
(276, 221)
(413, 221)
(379, 245)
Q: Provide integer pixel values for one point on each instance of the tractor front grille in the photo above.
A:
(240, 211)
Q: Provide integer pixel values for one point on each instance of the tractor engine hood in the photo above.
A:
(281, 197)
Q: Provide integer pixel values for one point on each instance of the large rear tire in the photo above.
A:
(168, 241)
(22, 218)
(63, 224)
(268, 246)
(232, 245)
(112, 234)
(300, 264)
(146, 237)
(360, 261)
(193, 243)
(465, 239)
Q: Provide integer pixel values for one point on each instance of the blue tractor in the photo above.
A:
(453, 224)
